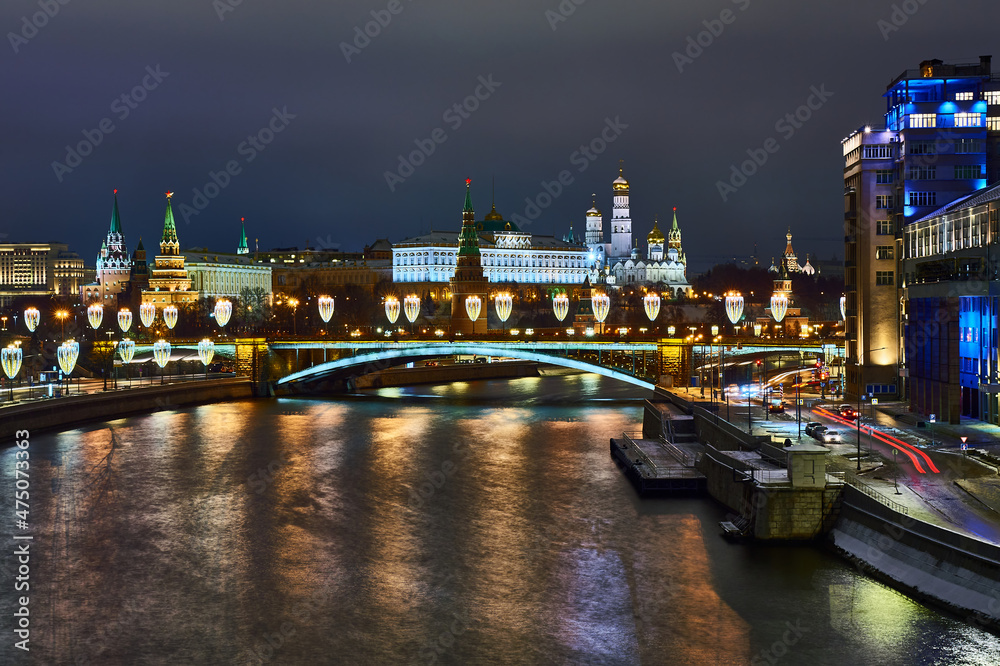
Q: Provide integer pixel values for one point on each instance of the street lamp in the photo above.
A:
(294, 302)
(652, 304)
(325, 308)
(95, 315)
(734, 306)
(147, 314)
(126, 349)
(223, 311)
(161, 354)
(602, 306)
(779, 306)
(843, 308)
(31, 318)
(411, 308)
(10, 357)
(392, 309)
(67, 355)
(170, 316)
(503, 303)
(124, 319)
(560, 306)
(473, 306)
(206, 351)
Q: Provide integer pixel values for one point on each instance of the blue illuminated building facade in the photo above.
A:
(950, 269)
(938, 144)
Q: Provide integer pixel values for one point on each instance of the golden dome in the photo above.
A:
(655, 236)
(493, 215)
(593, 212)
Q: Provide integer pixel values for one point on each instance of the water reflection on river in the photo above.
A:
(470, 523)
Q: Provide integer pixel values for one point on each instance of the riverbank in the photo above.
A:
(66, 412)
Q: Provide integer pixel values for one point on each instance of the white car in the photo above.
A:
(830, 436)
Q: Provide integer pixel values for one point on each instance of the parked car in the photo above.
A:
(830, 436)
(818, 431)
(480, 359)
(810, 426)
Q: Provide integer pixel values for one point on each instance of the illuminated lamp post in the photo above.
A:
(67, 355)
(560, 306)
(392, 309)
(147, 314)
(223, 311)
(31, 318)
(843, 308)
(206, 351)
(294, 302)
(411, 307)
(325, 308)
(734, 306)
(602, 306)
(124, 319)
(161, 354)
(473, 307)
(126, 349)
(503, 303)
(170, 316)
(10, 357)
(95, 315)
(779, 307)
(652, 304)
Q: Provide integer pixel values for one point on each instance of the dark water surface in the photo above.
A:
(464, 524)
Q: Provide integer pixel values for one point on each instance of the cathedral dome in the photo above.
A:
(655, 236)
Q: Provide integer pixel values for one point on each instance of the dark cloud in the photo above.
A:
(323, 176)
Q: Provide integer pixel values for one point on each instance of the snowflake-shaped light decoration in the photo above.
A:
(161, 352)
(325, 308)
(473, 306)
(411, 306)
(31, 318)
(126, 349)
(503, 303)
(206, 351)
(602, 306)
(651, 301)
(10, 358)
(223, 311)
(95, 315)
(734, 306)
(779, 307)
(124, 319)
(843, 308)
(147, 314)
(170, 316)
(67, 354)
(560, 306)
(392, 309)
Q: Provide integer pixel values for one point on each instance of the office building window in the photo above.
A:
(993, 123)
(964, 96)
(967, 171)
(918, 120)
(968, 120)
(921, 148)
(922, 199)
(883, 252)
(883, 176)
(883, 227)
(921, 173)
(878, 152)
(992, 96)
(969, 146)
(884, 278)
(883, 201)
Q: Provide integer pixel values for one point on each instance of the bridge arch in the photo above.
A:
(377, 360)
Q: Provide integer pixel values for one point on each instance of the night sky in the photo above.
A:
(210, 75)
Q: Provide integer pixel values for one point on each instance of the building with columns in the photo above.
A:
(39, 269)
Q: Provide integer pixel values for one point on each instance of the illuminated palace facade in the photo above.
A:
(507, 255)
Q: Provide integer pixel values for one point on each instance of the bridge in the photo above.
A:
(300, 363)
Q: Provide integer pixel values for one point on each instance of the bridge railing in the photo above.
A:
(854, 481)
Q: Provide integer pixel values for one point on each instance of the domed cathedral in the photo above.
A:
(666, 264)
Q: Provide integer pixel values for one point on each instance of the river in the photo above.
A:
(469, 523)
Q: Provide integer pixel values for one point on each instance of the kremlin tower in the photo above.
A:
(469, 279)
(169, 283)
(114, 268)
